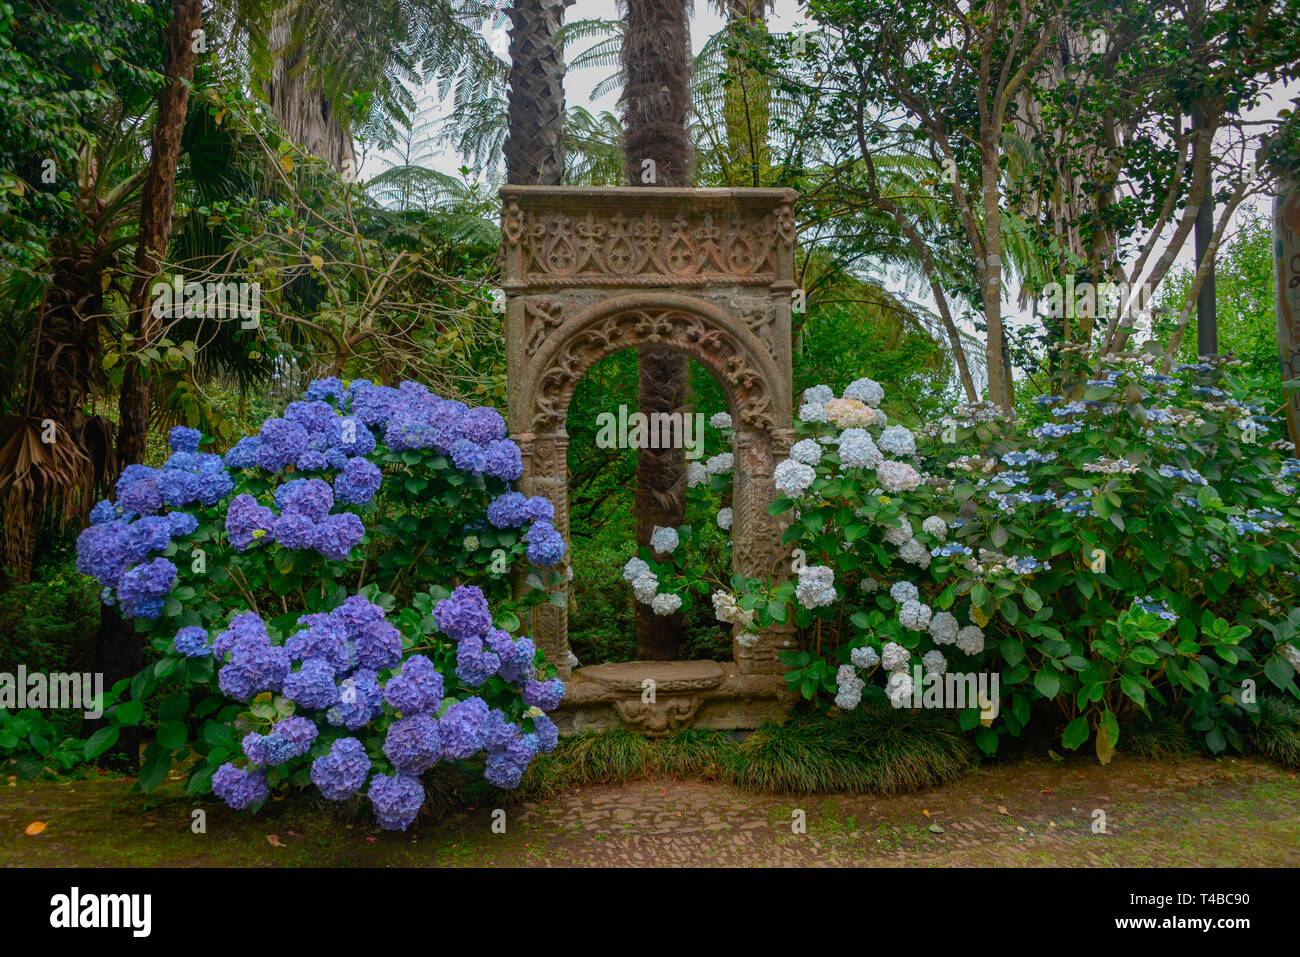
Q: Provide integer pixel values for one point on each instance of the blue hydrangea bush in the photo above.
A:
(321, 601)
(1130, 547)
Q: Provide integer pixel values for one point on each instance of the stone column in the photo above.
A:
(545, 474)
(1286, 246)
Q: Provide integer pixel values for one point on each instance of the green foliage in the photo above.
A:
(874, 749)
(1278, 735)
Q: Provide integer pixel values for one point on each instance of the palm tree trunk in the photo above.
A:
(156, 203)
(298, 103)
(658, 152)
(534, 148)
(747, 98)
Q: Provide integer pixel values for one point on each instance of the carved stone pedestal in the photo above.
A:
(659, 697)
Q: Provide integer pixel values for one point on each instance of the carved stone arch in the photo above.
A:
(708, 273)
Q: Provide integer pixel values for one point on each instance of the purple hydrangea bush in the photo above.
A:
(332, 600)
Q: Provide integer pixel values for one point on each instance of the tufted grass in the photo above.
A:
(1278, 735)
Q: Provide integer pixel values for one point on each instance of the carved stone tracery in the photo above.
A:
(589, 272)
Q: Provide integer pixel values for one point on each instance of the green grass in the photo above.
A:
(1157, 737)
(873, 750)
(1278, 735)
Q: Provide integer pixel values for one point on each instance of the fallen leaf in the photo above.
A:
(1046, 791)
(936, 829)
(1002, 810)
(1020, 829)
(273, 840)
(1051, 824)
(35, 828)
(925, 812)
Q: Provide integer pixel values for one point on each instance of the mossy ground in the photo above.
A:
(1028, 812)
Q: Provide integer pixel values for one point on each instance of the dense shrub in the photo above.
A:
(320, 596)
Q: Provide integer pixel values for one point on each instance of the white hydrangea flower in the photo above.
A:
(943, 628)
(812, 412)
(696, 474)
(934, 662)
(903, 591)
(869, 585)
(634, 569)
(897, 440)
(865, 657)
(882, 420)
(865, 390)
(914, 616)
(720, 420)
(846, 675)
(1292, 654)
(848, 697)
(724, 606)
(900, 533)
(914, 553)
(644, 587)
(666, 603)
(816, 586)
(724, 519)
(858, 450)
(819, 394)
(895, 477)
(971, 639)
(851, 414)
(895, 657)
(806, 451)
(935, 526)
(719, 464)
(793, 478)
(899, 688)
(664, 541)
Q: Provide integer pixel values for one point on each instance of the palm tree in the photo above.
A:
(534, 146)
(658, 151)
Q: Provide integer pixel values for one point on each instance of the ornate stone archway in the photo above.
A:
(592, 271)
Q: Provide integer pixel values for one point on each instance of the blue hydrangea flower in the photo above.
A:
(464, 614)
(482, 425)
(192, 642)
(312, 686)
(463, 727)
(244, 453)
(361, 700)
(338, 535)
(138, 490)
(474, 663)
(248, 523)
(396, 800)
(280, 442)
(546, 695)
(502, 459)
(296, 531)
(417, 689)
(548, 735)
(414, 744)
(467, 456)
(379, 645)
(358, 482)
(182, 439)
(142, 590)
(546, 546)
(329, 387)
(539, 509)
(508, 510)
(341, 773)
(240, 789)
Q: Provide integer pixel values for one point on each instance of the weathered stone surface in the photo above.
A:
(588, 272)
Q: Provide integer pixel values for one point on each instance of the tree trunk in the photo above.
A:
(746, 99)
(658, 152)
(534, 147)
(298, 103)
(156, 202)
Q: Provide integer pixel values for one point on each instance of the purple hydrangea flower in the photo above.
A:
(356, 439)
(358, 482)
(372, 404)
(298, 731)
(546, 695)
(508, 510)
(539, 509)
(138, 490)
(338, 535)
(464, 614)
(312, 686)
(142, 590)
(329, 387)
(467, 456)
(414, 744)
(310, 497)
(240, 789)
(192, 642)
(104, 512)
(548, 735)
(379, 645)
(297, 531)
(545, 545)
(323, 638)
(182, 439)
(341, 773)
(247, 522)
(463, 727)
(104, 551)
(361, 700)
(474, 663)
(280, 443)
(396, 800)
(417, 689)
(482, 425)
(311, 461)
(503, 460)
(244, 453)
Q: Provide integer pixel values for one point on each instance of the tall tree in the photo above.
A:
(656, 105)
(534, 147)
(299, 101)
